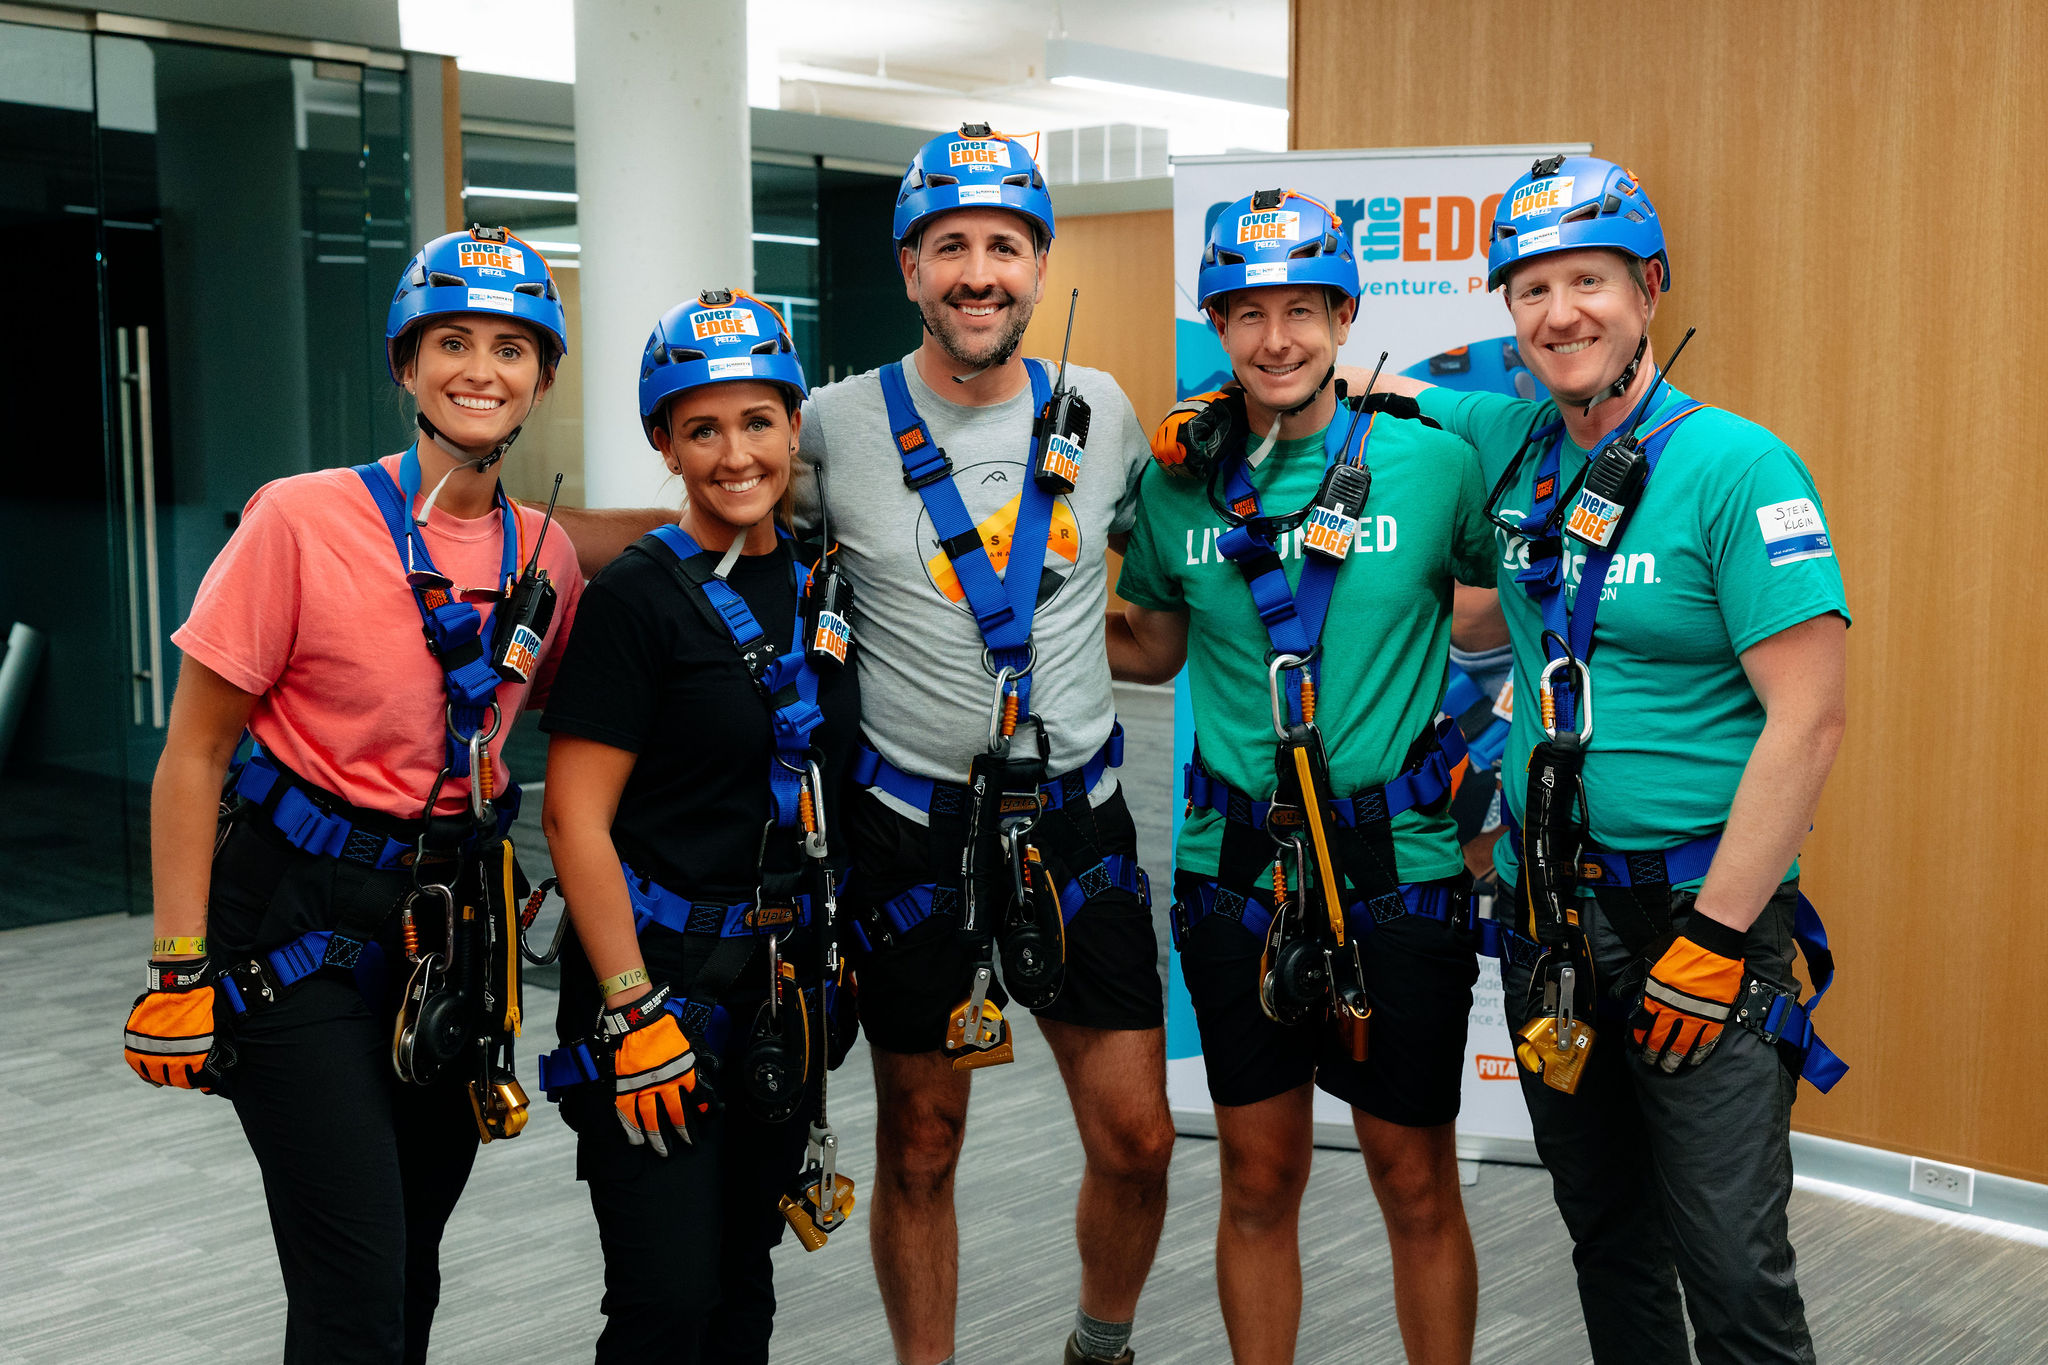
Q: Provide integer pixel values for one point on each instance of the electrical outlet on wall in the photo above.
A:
(1950, 1184)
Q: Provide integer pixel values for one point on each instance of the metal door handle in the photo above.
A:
(146, 415)
(138, 675)
(138, 485)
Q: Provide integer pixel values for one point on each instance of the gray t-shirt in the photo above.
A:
(925, 697)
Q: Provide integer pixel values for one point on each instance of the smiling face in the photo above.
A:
(732, 443)
(1282, 339)
(975, 274)
(476, 376)
(1578, 316)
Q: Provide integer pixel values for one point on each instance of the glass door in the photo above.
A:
(69, 670)
(237, 223)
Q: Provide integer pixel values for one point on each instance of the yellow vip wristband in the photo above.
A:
(624, 981)
(181, 944)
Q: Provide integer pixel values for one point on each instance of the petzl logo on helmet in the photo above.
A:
(723, 322)
(1539, 196)
(1272, 225)
(492, 256)
(980, 152)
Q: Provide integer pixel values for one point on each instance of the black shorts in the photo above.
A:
(911, 980)
(1418, 975)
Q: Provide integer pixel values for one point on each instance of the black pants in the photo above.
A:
(686, 1237)
(360, 1171)
(1677, 1179)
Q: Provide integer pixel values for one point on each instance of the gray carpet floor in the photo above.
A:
(133, 1228)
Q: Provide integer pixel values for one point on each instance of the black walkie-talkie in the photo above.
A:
(1332, 523)
(1611, 487)
(1062, 427)
(828, 634)
(522, 619)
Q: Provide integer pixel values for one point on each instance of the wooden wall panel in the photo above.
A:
(1123, 265)
(1853, 195)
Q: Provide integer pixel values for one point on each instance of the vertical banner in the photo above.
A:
(1418, 221)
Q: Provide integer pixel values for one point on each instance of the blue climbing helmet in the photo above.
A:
(1276, 237)
(719, 336)
(973, 168)
(483, 270)
(1566, 203)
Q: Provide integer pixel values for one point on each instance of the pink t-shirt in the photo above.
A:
(308, 608)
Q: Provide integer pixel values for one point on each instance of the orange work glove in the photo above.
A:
(170, 1029)
(1187, 443)
(1690, 994)
(654, 1072)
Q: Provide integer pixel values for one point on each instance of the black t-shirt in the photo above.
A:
(646, 671)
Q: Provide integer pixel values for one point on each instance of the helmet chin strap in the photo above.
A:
(465, 459)
(1621, 383)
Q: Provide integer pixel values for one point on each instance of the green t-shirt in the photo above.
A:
(1727, 547)
(1385, 641)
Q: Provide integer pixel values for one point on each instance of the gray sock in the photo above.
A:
(1102, 1340)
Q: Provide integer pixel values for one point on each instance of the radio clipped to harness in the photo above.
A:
(521, 623)
(1332, 522)
(1062, 427)
(1616, 477)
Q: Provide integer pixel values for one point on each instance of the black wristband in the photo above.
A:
(633, 1015)
(1715, 936)
(181, 974)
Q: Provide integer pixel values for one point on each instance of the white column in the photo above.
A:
(666, 205)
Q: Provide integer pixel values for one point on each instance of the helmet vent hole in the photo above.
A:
(1306, 251)
(1229, 258)
(1581, 214)
(941, 179)
(1633, 216)
(682, 355)
(533, 287)
(441, 279)
(1019, 179)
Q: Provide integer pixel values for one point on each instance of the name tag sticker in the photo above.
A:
(1274, 273)
(981, 194)
(1793, 530)
(1539, 240)
(732, 367)
(499, 300)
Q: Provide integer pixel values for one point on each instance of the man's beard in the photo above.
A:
(939, 317)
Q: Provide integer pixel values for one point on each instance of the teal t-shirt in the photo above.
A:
(1727, 547)
(1385, 642)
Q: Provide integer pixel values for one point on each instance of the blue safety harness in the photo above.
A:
(1294, 618)
(455, 630)
(1462, 696)
(305, 816)
(787, 681)
(1003, 607)
(1775, 1015)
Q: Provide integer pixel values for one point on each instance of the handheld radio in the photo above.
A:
(828, 634)
(1616, 479)
(1332, 524)
(522, 620)
(1062, 427)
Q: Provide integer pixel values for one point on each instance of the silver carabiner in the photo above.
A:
(1273, 669)
(995, 710)
(815, 843)
(1546, 697)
